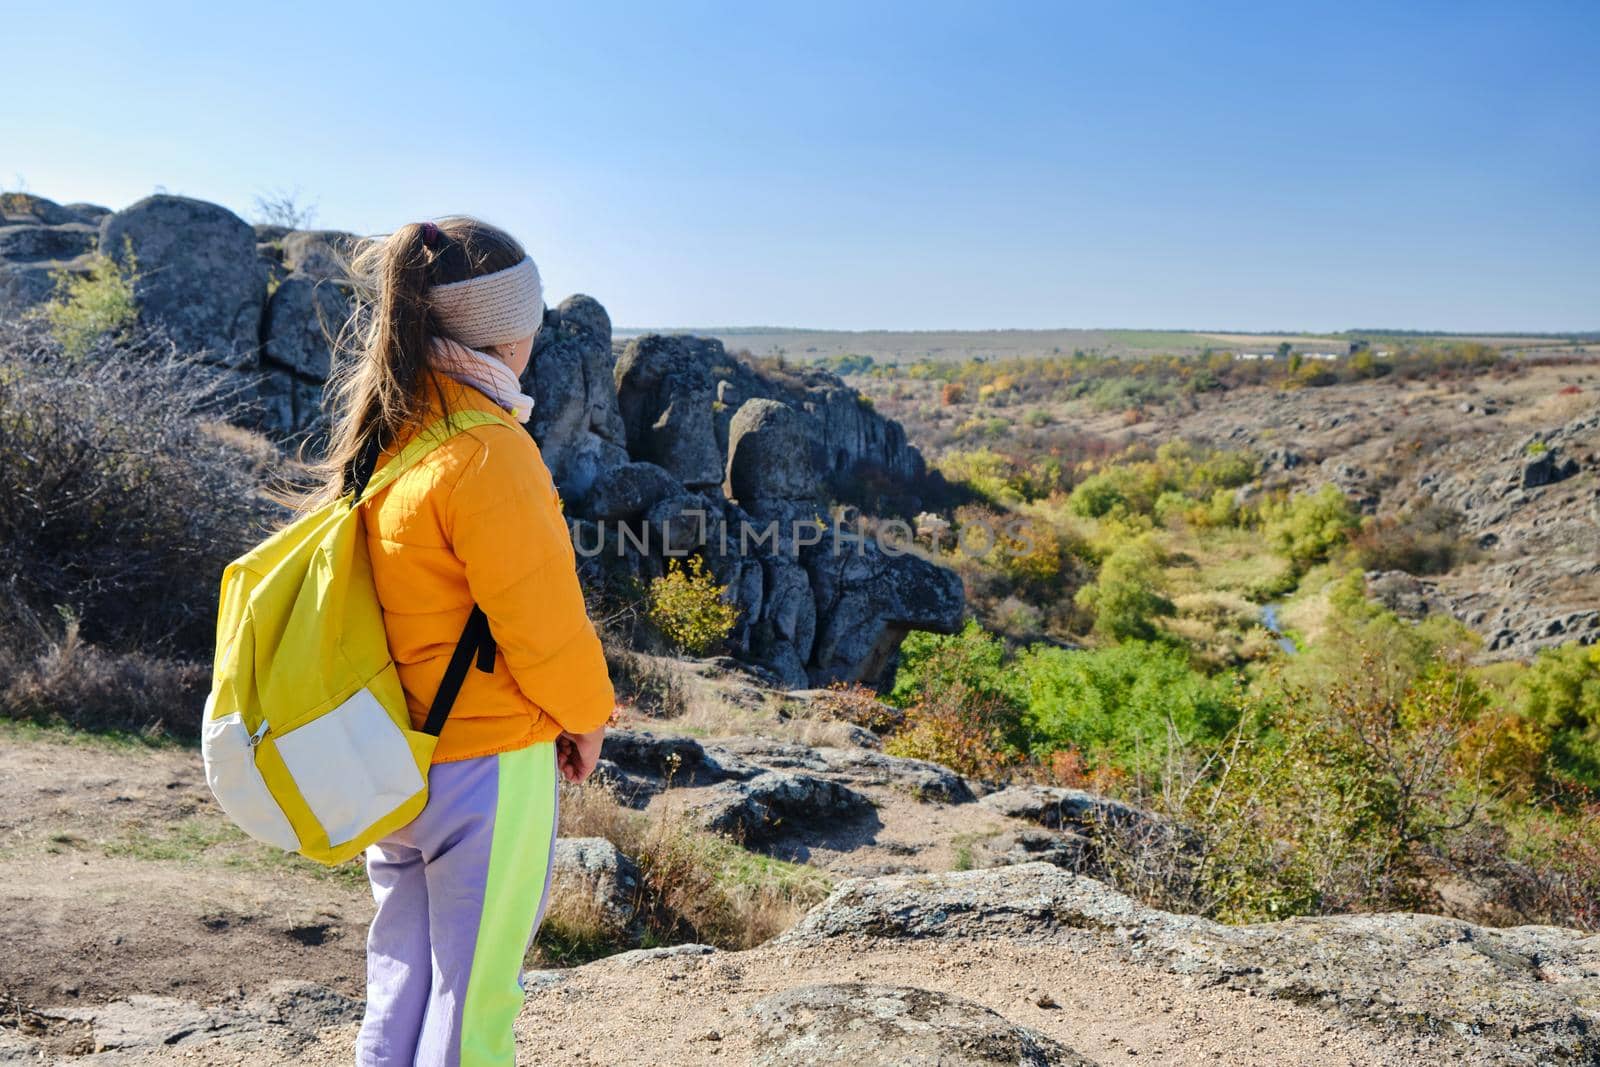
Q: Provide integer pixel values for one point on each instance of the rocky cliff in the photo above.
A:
(662, 447)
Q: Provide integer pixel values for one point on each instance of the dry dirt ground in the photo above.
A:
(122, 880)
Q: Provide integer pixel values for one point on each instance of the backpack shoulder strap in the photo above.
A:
(431, 437)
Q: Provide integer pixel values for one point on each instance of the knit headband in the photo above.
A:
(491, 309)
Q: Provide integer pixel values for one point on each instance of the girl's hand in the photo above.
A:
(576, 753)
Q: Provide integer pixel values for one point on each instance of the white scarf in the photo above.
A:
(483, 372)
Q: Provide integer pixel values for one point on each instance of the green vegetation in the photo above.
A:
(1118, 643)
(1560, 695)
(87, 308)
(1306, 529)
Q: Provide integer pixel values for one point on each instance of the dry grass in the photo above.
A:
(697, 886)
(64, 680)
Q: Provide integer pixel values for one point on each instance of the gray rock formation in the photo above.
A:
(575, 416)
(627, 491)
(867, 600)
(271, 1026)
(319, 254)
(854, 1024)
(681, 760)
(775, 802)
(665, 392)
(769, 454)
(919, 778)
(32, 253)
(199, 276)
(640, 442)
(25, 208)
(1523, 995)
(303, 320)
(594, 866)
(1057, 807)
(1059, 848)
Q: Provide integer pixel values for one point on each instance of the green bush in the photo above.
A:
(972, 661)
(1128, 597)
(1561, 692)
(1097, 495)
(1123, 705)
(1306, 528)
(99, 304)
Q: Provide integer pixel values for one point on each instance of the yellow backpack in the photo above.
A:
(307, 741)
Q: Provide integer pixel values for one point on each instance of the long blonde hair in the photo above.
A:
(377, 389)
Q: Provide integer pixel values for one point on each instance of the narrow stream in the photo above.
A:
(1269, 619)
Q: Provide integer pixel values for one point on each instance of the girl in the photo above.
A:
(447, 324)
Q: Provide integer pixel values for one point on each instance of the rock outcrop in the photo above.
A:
(854, 1024)
(198, 274)
(664, 448)
(575, 415)
(597, 868)
(1522, 995)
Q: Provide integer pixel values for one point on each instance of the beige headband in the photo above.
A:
(491, 309)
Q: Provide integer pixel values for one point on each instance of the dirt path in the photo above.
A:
(123, 878)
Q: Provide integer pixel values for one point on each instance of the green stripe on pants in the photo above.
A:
(519, 858)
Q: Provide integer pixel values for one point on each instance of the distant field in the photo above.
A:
(909, 346)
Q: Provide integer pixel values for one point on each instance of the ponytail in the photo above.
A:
(379, 388)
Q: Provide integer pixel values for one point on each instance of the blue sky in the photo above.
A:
(873, 165)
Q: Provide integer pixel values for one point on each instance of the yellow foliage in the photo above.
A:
(686, 604)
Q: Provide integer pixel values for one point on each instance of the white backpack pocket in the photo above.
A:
(230, 759)
(353, 765)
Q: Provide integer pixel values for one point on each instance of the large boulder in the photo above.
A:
(34, 210)
(199, 276)
(784, 631)
(680, 761)
(769, 454)
(628, 491)
(868, 597)
(89, 213)
(304, 317)
(774, 803)
(575, 417)
(854, 1024)
(1546, 468)
(320, 254)
(596, 868)
(32, 254)
(665, 392)
(25, 243)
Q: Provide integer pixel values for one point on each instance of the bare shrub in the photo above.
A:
(77, 684)
(121, 509)
(1427, 540)
(284, 207)
(860, 705)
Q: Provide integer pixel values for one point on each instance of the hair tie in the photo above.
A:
(430, 234)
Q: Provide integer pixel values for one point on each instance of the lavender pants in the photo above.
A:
(461, 891)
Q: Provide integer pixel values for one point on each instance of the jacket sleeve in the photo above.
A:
(505, 524)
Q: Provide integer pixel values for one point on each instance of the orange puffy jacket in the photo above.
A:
(478, 521)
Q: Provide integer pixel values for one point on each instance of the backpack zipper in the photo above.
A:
(261, 731)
